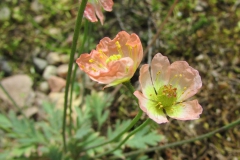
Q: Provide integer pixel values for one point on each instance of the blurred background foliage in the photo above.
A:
(205, 33)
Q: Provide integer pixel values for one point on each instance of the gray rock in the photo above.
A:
(64, 58)
(39, 63)
(5, 67)
(19, 88)
(53, 58)
(44, 87)
(49, 71)
(62, 70)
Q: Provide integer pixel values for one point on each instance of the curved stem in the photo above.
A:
(134, 121)
(125, 139)
(174, 144)
(131, 89)
(73, 50)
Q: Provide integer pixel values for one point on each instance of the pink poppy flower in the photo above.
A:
(114, 61)
(94, 7)
(165, 89)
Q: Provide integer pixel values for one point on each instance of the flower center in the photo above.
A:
(115, 57)
(166, 96)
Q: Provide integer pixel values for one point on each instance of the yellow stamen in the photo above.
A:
(113, 58)
(130, 51)
(91, 60)
(93, 69)
(119, 48)
(102, 53)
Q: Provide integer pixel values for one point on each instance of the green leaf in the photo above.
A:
(4, 155)
(144, 138)
(54, 153)
(119, 127)
(83, 131)
(4, 122)
(98, 102)
(83, 115)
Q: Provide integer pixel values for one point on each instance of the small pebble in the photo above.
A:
(49, 71)
(56, 84)
(53, 58)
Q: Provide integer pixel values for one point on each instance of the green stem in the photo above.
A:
(125, 139)
(131, 89)
(12, 100)
(74, 72)
(134, 121)
(174, 144)
(73, 50)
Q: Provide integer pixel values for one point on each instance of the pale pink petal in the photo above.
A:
(185, 111)
(107, 5)
(185, 78)
(149, 107)
(99, 13)
(159, 68)
(142, 100)
(146, 82)
(89, 13)
(158, 116)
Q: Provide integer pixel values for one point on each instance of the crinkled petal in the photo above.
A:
(149, 107)
(107, 5)
(130, 46)
(146, 83)
(99, 13)
(109, 46)
(113, 62)
(89, 13)
(185, 78)
(189, 110)
(134, 49)
(93, 69)
(159, 68)
(117, 72)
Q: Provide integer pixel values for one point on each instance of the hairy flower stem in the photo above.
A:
(134, 121)
(85, 35)
(126, 138)
(73, 50)
(174, 144)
